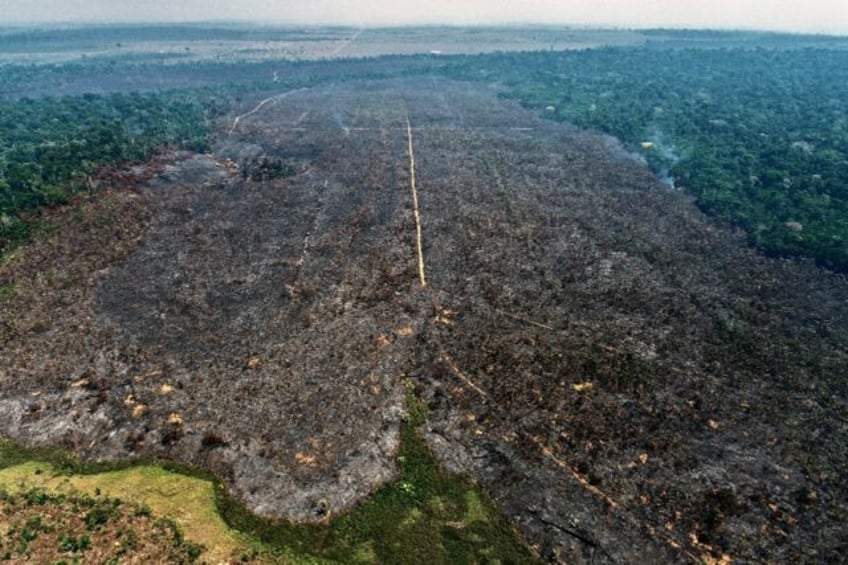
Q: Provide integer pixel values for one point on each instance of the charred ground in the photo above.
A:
(628, 380)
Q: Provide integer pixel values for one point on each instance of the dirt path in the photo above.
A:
(422, 278)
(347, 43)
(260, 106)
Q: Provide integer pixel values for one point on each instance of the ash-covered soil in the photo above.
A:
(626, 378)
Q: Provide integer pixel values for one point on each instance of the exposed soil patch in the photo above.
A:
(630, 382)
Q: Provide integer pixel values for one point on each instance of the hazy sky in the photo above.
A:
(794, 15)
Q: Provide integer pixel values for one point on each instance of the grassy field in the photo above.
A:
(189, 501)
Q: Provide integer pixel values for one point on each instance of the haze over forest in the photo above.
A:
(815, 16)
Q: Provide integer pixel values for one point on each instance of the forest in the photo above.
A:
(50, 148)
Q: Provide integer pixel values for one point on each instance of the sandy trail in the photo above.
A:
(422, 278)
(260, 106)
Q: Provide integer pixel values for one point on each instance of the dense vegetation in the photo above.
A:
(51, 147)
(759, 136)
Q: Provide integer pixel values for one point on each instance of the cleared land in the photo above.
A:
(615, 369)
(197, 43)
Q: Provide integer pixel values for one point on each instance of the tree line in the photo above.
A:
(50, 147)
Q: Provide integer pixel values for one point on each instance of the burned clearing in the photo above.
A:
(627, 379)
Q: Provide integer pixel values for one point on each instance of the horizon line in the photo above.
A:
(481, 25)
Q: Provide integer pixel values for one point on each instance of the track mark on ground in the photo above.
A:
(259, 107)
(547, 452)
(421, 275)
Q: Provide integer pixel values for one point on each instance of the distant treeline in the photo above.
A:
(150, 72)
(759, 136)
(88, 36)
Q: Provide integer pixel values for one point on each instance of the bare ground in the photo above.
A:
(628, 380)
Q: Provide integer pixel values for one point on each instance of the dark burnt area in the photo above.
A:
(628, 379)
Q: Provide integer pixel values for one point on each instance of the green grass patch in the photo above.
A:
(40, 526)
(7, 291)
(187, 503)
